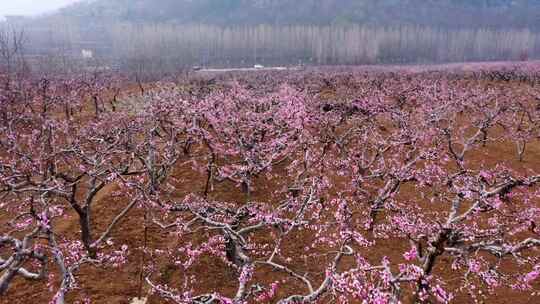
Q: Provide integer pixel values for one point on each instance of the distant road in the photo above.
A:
(415, 67)
(247, 69)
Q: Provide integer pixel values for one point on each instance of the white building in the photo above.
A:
(87, 54)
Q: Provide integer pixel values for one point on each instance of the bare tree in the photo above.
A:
(11, 52)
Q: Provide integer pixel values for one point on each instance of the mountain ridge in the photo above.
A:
(443, 13)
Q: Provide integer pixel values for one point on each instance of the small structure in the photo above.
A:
(87, 54)
(258, 66)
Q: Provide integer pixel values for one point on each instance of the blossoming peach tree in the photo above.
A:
(269, 192)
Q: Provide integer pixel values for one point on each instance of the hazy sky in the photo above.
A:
(30, 7)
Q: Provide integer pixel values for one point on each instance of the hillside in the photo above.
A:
(444, 13)
(168, 35)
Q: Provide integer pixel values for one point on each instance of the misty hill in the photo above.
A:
(444, 13)
(157, 36)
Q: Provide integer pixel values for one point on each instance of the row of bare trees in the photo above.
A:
(161, 47)
(355, 44)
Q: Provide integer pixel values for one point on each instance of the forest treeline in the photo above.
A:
(157, 48)
(169, 47)
(169, 35)
(321, 45)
